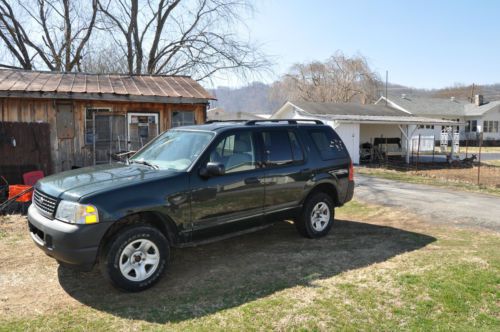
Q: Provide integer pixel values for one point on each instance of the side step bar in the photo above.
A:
(222, 237)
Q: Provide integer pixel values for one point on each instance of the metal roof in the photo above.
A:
(151, 88)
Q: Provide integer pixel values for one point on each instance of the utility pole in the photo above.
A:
(386, 82)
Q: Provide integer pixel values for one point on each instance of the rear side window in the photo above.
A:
(329, 145)
(277, 148)
(298, 153)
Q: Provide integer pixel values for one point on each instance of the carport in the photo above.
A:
(358, 124)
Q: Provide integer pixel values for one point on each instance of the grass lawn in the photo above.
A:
(474, 149)
(454, 178)
(492, 162)
(379, 269)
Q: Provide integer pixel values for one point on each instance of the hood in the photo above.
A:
(81, 182)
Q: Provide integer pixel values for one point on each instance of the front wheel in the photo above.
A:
(135, 258)
(316, 218)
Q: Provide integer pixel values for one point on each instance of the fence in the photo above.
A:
(24, 147)
(469, 163)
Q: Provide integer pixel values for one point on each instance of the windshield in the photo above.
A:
(174, 149)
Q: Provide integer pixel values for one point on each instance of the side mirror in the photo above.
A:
(212, 169)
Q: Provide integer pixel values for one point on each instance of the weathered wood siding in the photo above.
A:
(70, 152)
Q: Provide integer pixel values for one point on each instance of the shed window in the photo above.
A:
(182, 118)
(89, 123)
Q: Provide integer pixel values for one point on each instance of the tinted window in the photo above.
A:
(298, 154)
(236, 152)
(329, 145)
(277, 147)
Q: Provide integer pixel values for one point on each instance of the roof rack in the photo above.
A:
(289, 121)
(222, 121)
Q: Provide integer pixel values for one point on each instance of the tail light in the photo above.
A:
(351, 172)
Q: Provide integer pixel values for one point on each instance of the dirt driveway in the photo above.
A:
(434, 204)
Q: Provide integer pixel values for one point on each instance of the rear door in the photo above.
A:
(285, 172)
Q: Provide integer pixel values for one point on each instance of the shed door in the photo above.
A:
(109, 136)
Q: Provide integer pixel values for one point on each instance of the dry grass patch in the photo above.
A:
(379, 269)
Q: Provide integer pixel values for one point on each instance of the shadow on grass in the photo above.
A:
(207, 279)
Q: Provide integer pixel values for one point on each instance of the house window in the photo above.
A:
(182, 118)
(491, 126)
(471, 126)
(89, 123)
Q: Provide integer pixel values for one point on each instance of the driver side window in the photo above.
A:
(236, 152)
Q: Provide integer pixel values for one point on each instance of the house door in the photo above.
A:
(142, 128)
(109, 136)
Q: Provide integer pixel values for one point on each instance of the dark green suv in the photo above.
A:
(188, 186)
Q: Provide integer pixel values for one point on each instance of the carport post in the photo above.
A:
(405, 134)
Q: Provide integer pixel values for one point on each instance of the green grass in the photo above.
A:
(419, 179)
(449, 282)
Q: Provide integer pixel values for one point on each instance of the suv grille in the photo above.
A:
(45, 203)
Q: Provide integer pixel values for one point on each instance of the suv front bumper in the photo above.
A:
(74, 245)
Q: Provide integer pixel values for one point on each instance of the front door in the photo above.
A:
(232, 201)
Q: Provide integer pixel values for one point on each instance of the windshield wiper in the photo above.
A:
(145, 162)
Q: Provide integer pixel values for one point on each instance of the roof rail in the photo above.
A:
(219, 121)
(290, 121)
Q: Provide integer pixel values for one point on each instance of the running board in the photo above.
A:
(222, 237)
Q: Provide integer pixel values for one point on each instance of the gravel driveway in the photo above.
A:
(437, 204)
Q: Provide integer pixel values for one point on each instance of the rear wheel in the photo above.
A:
(316, 218)
(135, 258)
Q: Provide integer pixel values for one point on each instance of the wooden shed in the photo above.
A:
(91, 116)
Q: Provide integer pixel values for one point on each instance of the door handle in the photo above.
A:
(252, 181)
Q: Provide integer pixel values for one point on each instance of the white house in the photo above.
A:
(472, 115)
(358, 124)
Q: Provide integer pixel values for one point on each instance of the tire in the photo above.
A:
(135, 258)
(317, 216)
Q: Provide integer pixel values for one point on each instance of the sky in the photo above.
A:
(422, 43)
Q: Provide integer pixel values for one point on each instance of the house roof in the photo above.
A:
(346, 109)
(349, 112)
(437, 106)
(150, 88)
(426, 105)
(473, 110)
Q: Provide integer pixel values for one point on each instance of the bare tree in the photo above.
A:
(47, 33)
(338, 79)
(192, 37)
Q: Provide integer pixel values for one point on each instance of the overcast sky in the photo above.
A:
(423, 44)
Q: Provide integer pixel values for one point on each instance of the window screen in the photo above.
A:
(277, 147)
(182, 118)
(329, 145)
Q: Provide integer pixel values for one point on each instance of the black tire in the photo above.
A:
(132, 238)
(304, 222)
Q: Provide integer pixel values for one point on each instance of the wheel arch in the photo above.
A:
(166, 226)
(327, 188)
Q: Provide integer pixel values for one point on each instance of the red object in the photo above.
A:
(31, 178)
(351, 172)
(19, 188)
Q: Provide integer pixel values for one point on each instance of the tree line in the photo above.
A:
(171, 37)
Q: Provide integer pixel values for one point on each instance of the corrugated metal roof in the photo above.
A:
(101, 86)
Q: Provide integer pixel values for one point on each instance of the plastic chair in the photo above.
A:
(31, 178)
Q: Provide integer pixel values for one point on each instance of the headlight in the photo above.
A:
(76, 213)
